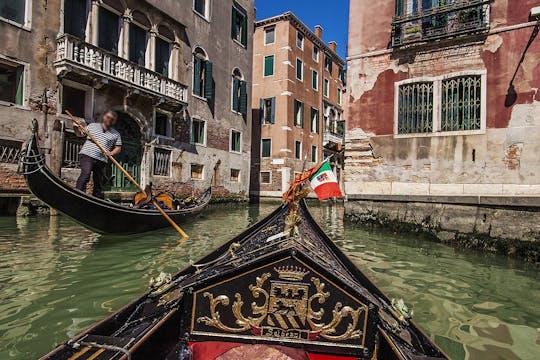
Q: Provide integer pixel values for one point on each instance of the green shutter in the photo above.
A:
(399, 7)
(261, 111)
(233, 23)
(197, 64)
(269, 65)
(273, 112)
(235, 99)
(208, 83)
(244, 30)
(302, 111)
(20, 85)
(243, 98)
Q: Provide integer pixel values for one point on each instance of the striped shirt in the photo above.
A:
(109, 139)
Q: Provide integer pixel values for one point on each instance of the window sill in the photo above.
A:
(197, 144)
(162, 176)
(192, 179)
(16, 24)
(441, 134)
(164, 137)
(13, 105)
(205, 18)
(235, 152)
(199, 97)
(239, 43)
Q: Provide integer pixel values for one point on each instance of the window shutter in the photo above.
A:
(19, 79)
(244, 30)
(273, 112)
(197, 75)
(302, 111)
(399, 7)
(209, 83)
(261, 111)
(317, 121)
(243, 97)
(235, 99)
(233, 23)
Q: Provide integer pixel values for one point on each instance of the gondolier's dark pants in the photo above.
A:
(95, 167)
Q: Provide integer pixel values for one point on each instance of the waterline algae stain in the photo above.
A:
(57, 278)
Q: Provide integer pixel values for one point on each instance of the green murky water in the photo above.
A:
(56, 278)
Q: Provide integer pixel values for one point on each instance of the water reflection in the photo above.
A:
(57, 278)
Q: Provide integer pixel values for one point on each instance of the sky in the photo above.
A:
(332, 15)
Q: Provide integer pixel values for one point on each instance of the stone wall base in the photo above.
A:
(507, 231)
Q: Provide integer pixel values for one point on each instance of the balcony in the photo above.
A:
(334, 135)
(75, 55)
(458, 18)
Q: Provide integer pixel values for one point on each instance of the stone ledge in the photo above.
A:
(528, 202)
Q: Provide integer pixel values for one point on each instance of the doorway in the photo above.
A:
(130, 157)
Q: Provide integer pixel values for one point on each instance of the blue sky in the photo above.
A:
(332, 15)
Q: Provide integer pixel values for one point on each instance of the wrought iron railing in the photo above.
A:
(162, 162)
(72, 50)
(70, 156)
(457, 17)
(10, 150)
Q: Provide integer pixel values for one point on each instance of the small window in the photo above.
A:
(162, 56)
(266, 148)
(342, 75)
(236, 141)
(235, 175)
(201, 7)
(198, 132)
(298, 149)
(138, 39)
(108, 30)
(269, 35)
(328, 64)
(162, 162)
(339, 96)
(300, 40)
(315, 53)
(299, 70)
(162, 124)
(315, 80)
(11, 83)
(268, 110)
(13, 10)
(326, 88)
(74, 101)
(239, 25)
(197, 171)
(269, 65)
(314, 154)
(298, 113)
(266, 177)
(314, 120)
(75, 17)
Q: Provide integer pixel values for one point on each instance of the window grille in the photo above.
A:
(162, 162)
(461, 103)
(10, 151)
(415, 108)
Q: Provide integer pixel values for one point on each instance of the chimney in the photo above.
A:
(318, 31)
(332, 45)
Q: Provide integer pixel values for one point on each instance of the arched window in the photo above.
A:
(202, 74)
(138, 38)
(162, 54)
(239, 92)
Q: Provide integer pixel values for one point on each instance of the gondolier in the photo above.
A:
(92, 160)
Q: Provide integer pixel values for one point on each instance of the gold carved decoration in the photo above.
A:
(286, 310)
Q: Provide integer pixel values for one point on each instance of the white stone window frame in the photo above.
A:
(316, 148)
(300, 151)
(326, 89)
(301, 78)
(266, 29)
(315, 72)
(316, 54)
(88, 101)
(303, 42)
(169, 130)
(270, 177)
(26, 82)
(437, 99)
(231, 131)
(273, 67)
(207, 11)
(238, 178)
(205, 131)
(27, 17)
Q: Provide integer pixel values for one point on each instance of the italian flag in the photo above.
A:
(324, 183)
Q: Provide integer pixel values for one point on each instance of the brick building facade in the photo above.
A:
(444, 98)
(297, 100)
(180, 84)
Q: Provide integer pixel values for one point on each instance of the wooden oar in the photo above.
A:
(128, 176)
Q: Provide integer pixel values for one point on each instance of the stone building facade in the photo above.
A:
(444, 98)
(298, 102)
(180, 83)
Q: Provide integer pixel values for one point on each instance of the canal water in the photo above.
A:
(57, 278)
